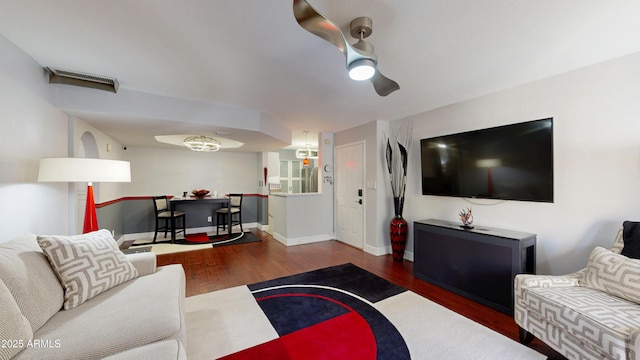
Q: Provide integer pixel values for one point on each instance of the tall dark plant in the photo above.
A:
(397, 162)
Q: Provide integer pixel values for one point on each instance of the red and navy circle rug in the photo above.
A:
(327, 314)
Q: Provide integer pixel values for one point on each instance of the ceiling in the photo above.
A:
(255, 75)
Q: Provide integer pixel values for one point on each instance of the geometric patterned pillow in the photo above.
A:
(87, 264)
(614, 274)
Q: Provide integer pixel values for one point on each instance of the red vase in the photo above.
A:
(398, 231)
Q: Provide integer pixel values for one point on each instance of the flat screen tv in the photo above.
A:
(511, 162)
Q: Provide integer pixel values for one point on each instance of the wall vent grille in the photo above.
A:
(60, 76)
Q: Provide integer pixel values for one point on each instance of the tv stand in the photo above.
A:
(478, 263)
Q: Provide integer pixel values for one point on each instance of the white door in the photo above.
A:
(349, 194)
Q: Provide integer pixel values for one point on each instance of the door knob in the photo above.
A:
(360, 201)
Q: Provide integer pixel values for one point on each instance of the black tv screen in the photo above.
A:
(511, 162)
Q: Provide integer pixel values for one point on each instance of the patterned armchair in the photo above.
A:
(591, 314)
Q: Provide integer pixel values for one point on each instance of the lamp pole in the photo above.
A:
(90, 214)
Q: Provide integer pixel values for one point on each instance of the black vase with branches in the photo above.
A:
(397, 158)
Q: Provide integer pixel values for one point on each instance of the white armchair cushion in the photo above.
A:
(524, 281)
(580, 322)
(87, 264)
(614, 274)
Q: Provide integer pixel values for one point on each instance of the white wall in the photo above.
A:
(106, 148)
(164, 171)
(294, 219)
(32, 128)
(326, 181)
(596, 113)
(376, 233)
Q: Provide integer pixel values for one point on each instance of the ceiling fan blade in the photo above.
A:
(383, 85)
(309, 19)
(313, 22)
(318, 25)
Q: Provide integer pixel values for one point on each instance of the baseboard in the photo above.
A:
(408, 255)
(301, 240)
(379, 251)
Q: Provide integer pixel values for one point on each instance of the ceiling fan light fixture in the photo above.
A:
(202, 143)
(361, 52)
(362, 69)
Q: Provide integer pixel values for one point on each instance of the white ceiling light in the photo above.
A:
(202, 143)
(362, 69)
(178, 140)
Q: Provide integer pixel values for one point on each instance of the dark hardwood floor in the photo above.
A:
(228, 266)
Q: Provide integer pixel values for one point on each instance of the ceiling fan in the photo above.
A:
(361, 61)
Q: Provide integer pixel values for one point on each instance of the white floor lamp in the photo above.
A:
(85, 170)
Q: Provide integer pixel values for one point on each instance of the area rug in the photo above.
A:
(180, 245)
(340, 312)
(218, 240)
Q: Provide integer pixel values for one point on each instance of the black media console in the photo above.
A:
(478, 263)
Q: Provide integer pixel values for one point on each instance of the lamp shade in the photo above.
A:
(83, 170)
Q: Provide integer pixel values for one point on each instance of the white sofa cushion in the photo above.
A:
(87, 264)
(144, 262)
(614, 274)
(15, 330)
(30, 279)
(142, 311)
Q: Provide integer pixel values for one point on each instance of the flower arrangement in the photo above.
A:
(466, 217)
(200, 193)
(397, 160)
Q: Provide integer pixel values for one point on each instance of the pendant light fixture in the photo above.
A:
(305, 162)
(306, 153)
(202, 143)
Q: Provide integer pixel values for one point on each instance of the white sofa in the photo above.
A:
(142, 318)
(591, 314)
